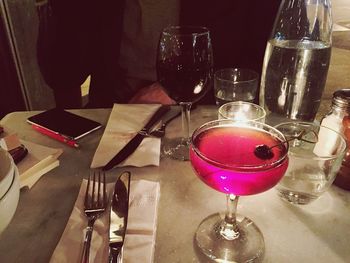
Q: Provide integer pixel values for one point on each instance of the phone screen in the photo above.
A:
(65, 123)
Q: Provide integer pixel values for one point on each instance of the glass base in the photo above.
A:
(296, 198)
(176, 148)
(247, 246)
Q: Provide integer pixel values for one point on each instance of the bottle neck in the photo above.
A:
(340, 110)
(289, 26)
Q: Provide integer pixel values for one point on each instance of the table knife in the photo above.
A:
(167, 118)
(132, 145)
(118, 216)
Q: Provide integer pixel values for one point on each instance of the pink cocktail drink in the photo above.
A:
(223, 157)
(236, 158)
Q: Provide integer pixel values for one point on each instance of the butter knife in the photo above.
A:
(118, 216)
(132, 145)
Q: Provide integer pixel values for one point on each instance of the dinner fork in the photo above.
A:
(94, 205)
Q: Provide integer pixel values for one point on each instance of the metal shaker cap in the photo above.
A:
(341, 98)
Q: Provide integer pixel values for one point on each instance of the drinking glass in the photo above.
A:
(223, 155)
(241, 111)
(184, 68)
(235, 84)
(315, 156)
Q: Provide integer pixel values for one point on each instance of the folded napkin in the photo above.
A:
(39, 160)
(140, 234)
(124, 122)
(142, 222)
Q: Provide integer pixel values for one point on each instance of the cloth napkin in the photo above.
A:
(124, 122)
(140, 234)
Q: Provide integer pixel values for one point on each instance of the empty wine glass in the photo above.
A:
(184, 68)
(224, 155)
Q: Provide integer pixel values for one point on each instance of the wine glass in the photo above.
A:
(224, 155)
(184, 68)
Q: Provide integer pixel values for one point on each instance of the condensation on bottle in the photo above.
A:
(338, 119)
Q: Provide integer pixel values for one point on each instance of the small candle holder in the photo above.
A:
(241, 111)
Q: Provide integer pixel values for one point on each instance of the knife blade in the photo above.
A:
(119, 216)
(132, 145)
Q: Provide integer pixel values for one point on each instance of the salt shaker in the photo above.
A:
(339, 119)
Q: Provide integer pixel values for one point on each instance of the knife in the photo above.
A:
(118, 216)
(132, 145)
(167, 118)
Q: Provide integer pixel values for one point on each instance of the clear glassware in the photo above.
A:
(223, 156)
(315, 156)
(241, 111)
(184, 68)
(235, 84)
(296, 61)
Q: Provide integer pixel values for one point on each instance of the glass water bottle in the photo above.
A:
(296, 61)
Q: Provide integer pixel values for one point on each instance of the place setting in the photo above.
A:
(254, 177)
(126, 210)
(119, 220)
(126, 141)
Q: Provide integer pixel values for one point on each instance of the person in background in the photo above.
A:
(77, 39)
(119, 51)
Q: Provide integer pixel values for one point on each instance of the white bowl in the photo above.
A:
(9, 202)
(7, 167)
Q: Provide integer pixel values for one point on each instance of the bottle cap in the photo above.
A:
(341, 98)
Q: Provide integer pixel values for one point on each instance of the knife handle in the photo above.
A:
(156, 116)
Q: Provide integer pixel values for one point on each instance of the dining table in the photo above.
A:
(317, 232)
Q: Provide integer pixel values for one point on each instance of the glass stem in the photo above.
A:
(228, 228)
(185, 114)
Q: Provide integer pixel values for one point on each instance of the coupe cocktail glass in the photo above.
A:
(223, 156)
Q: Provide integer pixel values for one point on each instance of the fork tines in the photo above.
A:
(94, 206)
(95, 196)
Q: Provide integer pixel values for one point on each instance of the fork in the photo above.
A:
(94, 206)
